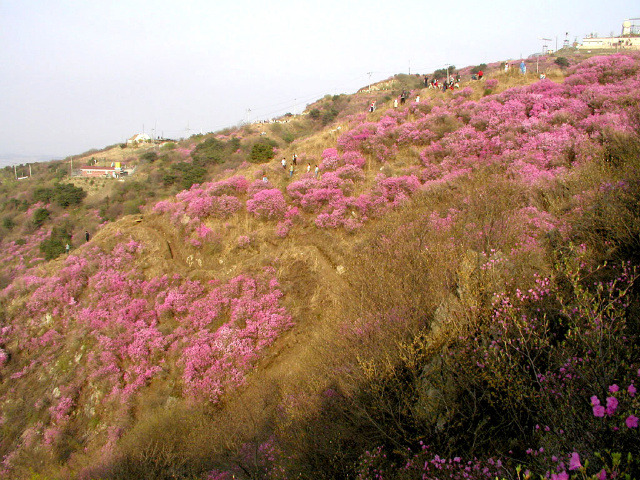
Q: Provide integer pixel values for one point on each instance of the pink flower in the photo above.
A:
(574, 463)
(602, 475)
(612, 404)
(631, 390)
(595, 400)
(632, 421)
(614, 388)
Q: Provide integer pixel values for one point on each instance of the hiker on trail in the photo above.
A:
(418, 99)
(291, 171)
(480, 73)
(295, 159)
(67, 247)
(372, 107)
(523, 67)
(395, 103)
(86, 235)
(317, 170)
(308, 167)
(403, 97)
(284, 164)
(264, 178)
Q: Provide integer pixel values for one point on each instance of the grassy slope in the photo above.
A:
(327, 276)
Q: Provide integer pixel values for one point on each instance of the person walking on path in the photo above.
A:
(284, 163)
(317, 171)
(86, 235)
(523, 67)
(308, 167)
(67, 247)
(291, 171)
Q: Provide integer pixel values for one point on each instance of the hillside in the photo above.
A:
(452, 295)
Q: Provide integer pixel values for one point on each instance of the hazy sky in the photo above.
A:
(81, 74)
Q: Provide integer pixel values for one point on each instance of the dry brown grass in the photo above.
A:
(399, 278)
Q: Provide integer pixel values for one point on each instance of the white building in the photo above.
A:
(629, 39)
(139, 138)
(610, 43)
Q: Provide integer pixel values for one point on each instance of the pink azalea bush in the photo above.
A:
(267, 204)
(218, 331)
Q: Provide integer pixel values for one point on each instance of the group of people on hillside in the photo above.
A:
(451, 83)
(293, 166)
(444, 85)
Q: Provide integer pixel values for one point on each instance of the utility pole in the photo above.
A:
(545, 48)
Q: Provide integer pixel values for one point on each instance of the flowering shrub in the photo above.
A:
(491, 83)
(353, 139)
(397, 189)
(204, 232)
(267, 204)
(330, 159)
(236, 185)
(259, 185)
(282, 229)
(218, 332)
(4, 357)
(353, 158)
(207, 200)
(244, 241)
